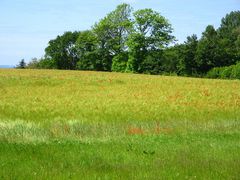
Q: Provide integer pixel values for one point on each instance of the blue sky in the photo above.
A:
(26, 26)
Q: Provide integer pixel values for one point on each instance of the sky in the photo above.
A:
(26, 26)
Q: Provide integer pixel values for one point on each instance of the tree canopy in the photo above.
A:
(142, 42)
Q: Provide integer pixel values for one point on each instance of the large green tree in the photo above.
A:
(112, 32)
(152, 32)
(208, 52)
(139, 42)
(218, 48)
(62, 50)
(229, 34)
(229, 24)
(87, 46)
(171, 58)
(188, 64)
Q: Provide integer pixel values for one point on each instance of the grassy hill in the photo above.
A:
(72, 124)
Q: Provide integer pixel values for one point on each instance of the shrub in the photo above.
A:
(236, 71)
(119, 62)
(225, 72)
(214, 73)
(46, 63)
(228, 72)
(33, 64)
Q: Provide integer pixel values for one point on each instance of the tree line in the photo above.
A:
(142, 42)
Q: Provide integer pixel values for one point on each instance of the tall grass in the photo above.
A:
(72, 124)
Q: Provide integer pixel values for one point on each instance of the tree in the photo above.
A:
(112, 33)
(42, 63)
(33, 64)
(21, 64)
(152, 32)
(119, 62)
(171, 58)
(216, 48)
(46, 63)
(86, 46)
(229, 33)
(113, 30)
(207, 53)
(137, 52)
(62, 50)
(139, 42)
(188, 64)
(152, 63)
(229, 24)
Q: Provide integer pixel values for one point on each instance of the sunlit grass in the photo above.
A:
(43, 96)
(113, 125)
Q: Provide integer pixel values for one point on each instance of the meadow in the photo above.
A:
(96, 125)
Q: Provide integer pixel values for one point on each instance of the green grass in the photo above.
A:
(94, 125)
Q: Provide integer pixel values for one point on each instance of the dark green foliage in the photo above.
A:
(152, 63)
(138, 42)
(170, 59)
(228, 72)
(230, 23)
(47, 63)
(216, 48)
(21, 65)
(236, 71)
(188, 64)
(229, 35)
(119, 62)
(207, 55)
(86, 46)
(137, 52)
(43, 63)
(104, 60)
(62, 50)
(214, 73)
(152, 33)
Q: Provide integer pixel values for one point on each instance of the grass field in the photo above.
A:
(95, 125)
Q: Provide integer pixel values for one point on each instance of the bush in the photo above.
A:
(236, 71)
(87, 61)
(119, 62)
(228, 72)
(214, 73)
(33, 64)
(151, 65)
(225, 72)
(46, 63)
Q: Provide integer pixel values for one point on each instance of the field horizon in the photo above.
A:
(101, 125)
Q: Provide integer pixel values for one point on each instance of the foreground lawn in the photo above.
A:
(71, 124)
